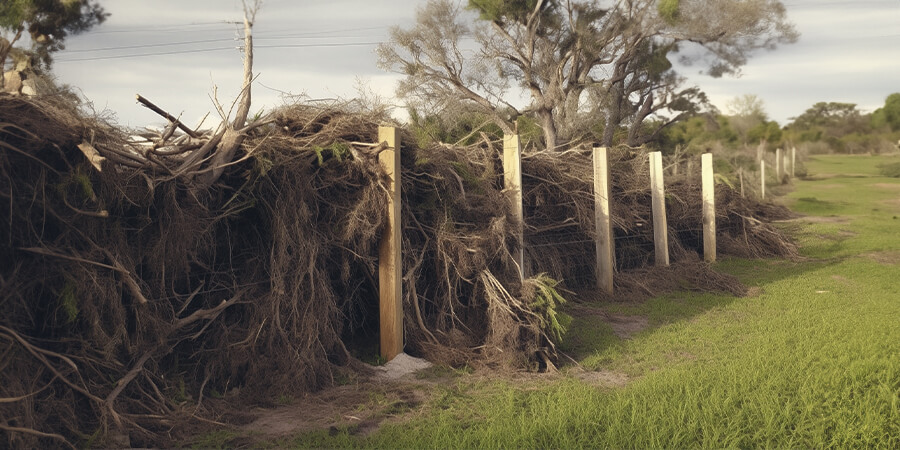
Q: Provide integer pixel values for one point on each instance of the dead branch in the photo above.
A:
(37, 433)
(167, 116)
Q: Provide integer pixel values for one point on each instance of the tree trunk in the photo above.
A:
(549, 127)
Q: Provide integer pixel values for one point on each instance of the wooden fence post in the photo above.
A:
(390, 264)
(604, 240)
(709, 209)
(793, 160)
(512, 182)
(779, 168)
(762, 179)
(785, 164)
(658, 196)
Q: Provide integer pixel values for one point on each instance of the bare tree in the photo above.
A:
(608, 60)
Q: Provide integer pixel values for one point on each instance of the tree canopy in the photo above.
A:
(888, 115)
(579, 62)
(48, 23)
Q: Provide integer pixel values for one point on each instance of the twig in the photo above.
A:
(138, 366)
(168, 116)
(23, 397)
(38, 433)
(45, 252)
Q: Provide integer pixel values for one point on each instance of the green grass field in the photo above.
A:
(811, 360)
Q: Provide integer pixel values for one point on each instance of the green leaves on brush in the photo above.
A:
(337, 150)
(544, 303)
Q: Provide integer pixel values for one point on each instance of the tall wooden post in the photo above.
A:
(604, 241)
(779, 166)
(658, 196)
(390, 264)
(709, 209)
(762, 179)
(512, 182)
(786, 164)
(793, 160)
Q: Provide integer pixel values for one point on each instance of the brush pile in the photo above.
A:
(560, 232)
(130, 291)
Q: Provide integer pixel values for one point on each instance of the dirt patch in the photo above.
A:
(624, 326)
(889, 186)
(817, 219)
(360, 408)
(627, 326)
(754, 292)
(888, 258)
(894, 202)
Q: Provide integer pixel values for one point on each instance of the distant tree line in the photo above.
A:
(825, 127)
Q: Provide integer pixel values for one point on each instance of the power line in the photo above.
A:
(164, 44)
(161, 28)
(201, 41)
(207, 50)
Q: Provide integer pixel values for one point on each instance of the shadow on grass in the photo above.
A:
(601, 326)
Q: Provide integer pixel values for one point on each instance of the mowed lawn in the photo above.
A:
(811, 359)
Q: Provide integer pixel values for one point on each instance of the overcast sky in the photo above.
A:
(174, 52)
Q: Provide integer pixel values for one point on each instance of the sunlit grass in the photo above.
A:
(812, 360)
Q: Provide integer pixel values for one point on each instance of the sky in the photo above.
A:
(177, 53)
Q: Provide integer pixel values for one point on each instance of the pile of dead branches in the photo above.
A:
(131, 290)
(138, 279)
(560, 231)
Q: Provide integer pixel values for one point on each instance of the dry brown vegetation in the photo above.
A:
(131, 294)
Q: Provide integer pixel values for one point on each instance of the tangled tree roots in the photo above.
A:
(128, 296)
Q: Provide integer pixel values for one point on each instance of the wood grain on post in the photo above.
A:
(512, 182)
(762, 179)
(793, 160)
(603, 227)
(658, 196)
(786, 163)
(779, 166)
(390, 265)
(709, 209)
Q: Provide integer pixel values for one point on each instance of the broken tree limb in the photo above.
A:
(92, 155)
(234, 132)
(168, 116)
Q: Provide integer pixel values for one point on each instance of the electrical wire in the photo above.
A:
(207, 50)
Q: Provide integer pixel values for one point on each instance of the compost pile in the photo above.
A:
(129, 293)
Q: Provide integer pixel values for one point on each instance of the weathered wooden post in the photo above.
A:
(793, 160)
(658, 196)
(512, 182)
(390, 264)
(709, 209)
(786, 164)
(779, 168)
(603, 227)
(762, 179)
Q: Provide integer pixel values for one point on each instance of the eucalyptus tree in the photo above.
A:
(577, 62)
